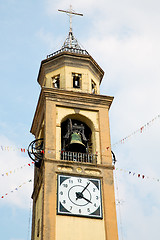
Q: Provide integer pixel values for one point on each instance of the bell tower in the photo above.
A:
(73, 195)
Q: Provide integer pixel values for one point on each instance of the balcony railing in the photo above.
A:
(68, 49)
(78, 157)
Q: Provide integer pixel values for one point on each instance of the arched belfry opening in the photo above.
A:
(76, 141)
(75, 136)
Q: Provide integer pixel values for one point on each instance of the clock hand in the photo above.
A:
(80, 195)
(86, 199)
(85, 187)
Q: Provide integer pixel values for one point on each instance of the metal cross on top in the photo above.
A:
(70, 13)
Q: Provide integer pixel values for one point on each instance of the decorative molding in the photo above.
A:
(71, 99)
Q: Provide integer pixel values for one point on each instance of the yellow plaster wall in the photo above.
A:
(48, 78)
(50, 197)
(50, 129)
(74, 228)
(58, 143)
(38, 214)
(66, 81)
(105, 136)
(41, 131)
(109, 206)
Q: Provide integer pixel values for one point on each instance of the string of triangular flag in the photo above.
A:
(139, 130)
(139, 175)
(131, 173)
(10, 148)
(123, 140)
(24, 150)
(142, 176)
(15, 170)
(15, 189)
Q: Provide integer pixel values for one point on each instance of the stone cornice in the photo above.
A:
(72, 97)
(68, 99)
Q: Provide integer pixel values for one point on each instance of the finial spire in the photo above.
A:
(71, 40)
(70, 19)
(70, 12)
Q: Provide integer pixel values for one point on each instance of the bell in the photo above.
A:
(76, 144)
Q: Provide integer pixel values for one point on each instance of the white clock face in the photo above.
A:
(79, 196)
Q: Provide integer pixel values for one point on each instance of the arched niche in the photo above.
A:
(77, 123)
(81, 118)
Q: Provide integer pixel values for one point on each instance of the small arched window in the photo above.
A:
(76, 80)
(56, 81)
(93, 87)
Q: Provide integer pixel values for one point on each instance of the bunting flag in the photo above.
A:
(16, 189)
(23, 150)
(17, 169)
(10, 148)
(123, 140)
(140, 130)
(139, 175)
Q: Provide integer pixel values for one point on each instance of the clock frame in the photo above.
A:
(79, 196)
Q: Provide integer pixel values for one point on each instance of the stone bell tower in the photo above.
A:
(73, 195)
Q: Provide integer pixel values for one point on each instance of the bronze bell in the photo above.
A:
(76, 144)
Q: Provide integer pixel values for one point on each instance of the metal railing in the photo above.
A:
(68, 49)
(78, 157)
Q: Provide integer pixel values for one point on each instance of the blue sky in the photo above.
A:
(124, 38)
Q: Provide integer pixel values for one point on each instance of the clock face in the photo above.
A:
(79, 196)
